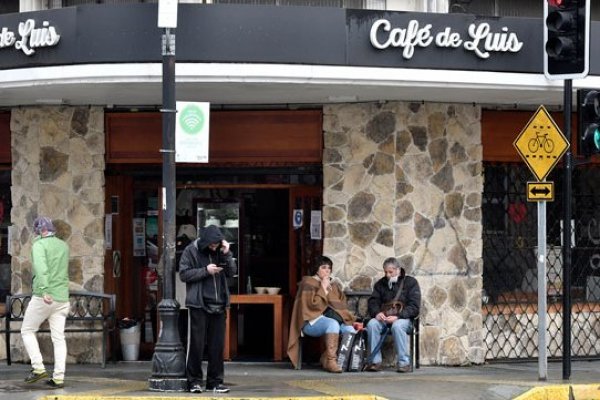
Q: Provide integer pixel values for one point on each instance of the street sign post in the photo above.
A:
(541, 144)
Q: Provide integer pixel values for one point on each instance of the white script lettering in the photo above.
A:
(503, 41)
(447, 38)
(32, 37)
(7, 38)
(407, 38)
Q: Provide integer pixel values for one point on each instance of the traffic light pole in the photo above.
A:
(566, 250)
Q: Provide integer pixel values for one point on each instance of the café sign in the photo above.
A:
(29, 37)
(481, 40)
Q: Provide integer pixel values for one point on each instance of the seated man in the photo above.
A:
(394, 286)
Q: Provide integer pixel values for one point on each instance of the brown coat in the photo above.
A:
(311, 301)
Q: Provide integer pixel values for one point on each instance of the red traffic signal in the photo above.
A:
(566, 38)
(560, 3)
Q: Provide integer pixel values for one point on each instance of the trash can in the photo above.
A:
(130, 331)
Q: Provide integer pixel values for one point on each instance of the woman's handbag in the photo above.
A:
(331, 313)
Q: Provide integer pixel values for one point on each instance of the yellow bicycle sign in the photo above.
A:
(541, 144)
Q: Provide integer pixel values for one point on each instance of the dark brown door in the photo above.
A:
(118, 273)
(303, 248)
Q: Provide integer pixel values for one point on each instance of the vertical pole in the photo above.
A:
(568, 98)
(168, 361)
(541, 278)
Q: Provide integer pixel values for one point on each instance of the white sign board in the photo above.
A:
(192, 132)
(315, 225)
(167, 13)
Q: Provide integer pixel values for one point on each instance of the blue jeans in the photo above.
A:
(400, 328)
(326, 325)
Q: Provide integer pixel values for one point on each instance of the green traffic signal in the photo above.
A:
(596, 140)
(589, 121)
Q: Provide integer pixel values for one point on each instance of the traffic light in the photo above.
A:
(588, 103)
(566, 38)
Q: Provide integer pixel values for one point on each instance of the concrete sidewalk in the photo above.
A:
(129, 381)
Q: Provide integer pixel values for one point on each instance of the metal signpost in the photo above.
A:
(541, 145)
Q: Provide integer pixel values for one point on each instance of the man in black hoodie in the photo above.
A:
(385, 291)
(205, 265)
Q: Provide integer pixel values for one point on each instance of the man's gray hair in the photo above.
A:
(43, 223)
(392, 262)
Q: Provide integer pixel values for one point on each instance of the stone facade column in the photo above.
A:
(58, 171)
(405, 180)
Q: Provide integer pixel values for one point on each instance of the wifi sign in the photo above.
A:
(191, 119)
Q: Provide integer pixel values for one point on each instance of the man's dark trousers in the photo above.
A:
(210, 329)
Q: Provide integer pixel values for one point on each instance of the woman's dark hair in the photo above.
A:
(320, 260)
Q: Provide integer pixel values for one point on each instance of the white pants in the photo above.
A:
(56, 314)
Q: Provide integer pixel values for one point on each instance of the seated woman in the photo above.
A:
(320, 309)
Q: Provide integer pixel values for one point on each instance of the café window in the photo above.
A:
(357, 4)
(9, 6)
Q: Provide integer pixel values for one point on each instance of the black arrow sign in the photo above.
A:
(540, 191)
(537, 191)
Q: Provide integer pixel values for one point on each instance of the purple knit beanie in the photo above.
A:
(42, 223)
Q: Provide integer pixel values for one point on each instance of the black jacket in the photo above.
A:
(202, 287)
(410, 296)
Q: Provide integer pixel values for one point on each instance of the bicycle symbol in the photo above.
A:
(541, 140)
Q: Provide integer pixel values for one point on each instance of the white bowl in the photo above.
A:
(231, 223)
(260, 290)
(273, 290)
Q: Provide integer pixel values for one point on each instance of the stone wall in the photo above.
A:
(58, 171)
(405, 180)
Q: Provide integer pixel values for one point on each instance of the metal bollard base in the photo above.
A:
(168, 384)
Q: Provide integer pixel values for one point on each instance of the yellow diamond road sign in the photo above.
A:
(541, 144)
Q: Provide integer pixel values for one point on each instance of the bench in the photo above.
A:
(358, 304)
(90, 312)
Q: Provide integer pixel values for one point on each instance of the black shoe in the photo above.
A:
(374, 367)
(217, 389)
(55, 384)
(404, 368)
(195, 387)
(35, 376)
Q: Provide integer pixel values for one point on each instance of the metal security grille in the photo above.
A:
(510, 269)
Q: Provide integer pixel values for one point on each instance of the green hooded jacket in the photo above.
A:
(50, 263)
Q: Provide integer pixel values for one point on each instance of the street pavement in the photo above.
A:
(497, 381)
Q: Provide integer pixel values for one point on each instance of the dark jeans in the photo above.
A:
(206, 329)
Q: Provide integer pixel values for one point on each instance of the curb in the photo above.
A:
(562, 392)
(101, 397)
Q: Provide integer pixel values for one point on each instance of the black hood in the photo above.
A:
(210, 234)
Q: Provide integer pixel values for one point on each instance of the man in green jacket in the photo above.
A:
(50, 301)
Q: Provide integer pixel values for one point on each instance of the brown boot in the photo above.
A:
(331, 346)
(323, 359)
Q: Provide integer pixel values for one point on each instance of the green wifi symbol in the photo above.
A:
(191, 119)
